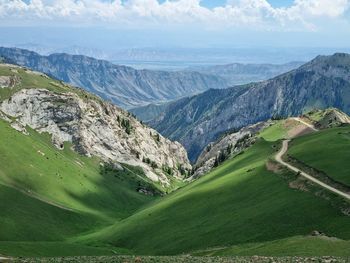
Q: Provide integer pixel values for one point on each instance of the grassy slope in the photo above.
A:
(51, 249)
(237, 203)
(274, 132)
(298, 245)
(30, 80)
(327, 151)
(24, 218)
(32, 165)
(40, 181)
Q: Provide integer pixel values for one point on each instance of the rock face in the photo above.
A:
(226, 147)
(7, 81)
(124, 86)
(96, 128)
(199, 120)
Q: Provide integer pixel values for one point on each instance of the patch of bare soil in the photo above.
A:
(273, 166)
(299, 184)
(299, 130)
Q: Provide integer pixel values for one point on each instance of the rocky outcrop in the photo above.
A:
(226, 147)
(8, 82)
(199, 120)
(324, 119)
(96, 128)
(124, 86)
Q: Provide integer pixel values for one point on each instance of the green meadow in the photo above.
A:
(59, 203)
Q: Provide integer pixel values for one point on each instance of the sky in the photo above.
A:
(176, 23)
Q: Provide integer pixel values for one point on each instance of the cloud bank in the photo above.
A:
(257, 14)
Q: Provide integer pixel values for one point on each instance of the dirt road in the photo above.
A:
(278, 158)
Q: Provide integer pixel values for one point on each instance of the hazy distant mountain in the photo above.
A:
(233, 74)
(237, 73)
(196, 121)
(149, 112)
(124, 86)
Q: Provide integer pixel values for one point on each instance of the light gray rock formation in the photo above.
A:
(96, 128)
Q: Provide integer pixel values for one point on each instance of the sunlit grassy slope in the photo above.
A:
(327, 151)
(58, 203)
(52, 195)
(27, 79)
(275, 132)
(64, 177)
(239, 202)
(49, 195)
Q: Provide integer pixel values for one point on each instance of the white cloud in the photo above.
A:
(303, 14)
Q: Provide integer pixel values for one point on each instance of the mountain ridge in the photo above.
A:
(239, 73)
(196, 121)
(123, 85)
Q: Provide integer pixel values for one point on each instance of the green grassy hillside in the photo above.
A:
(33, 163)
(239, 202)
(294, 246)
(54, 195)
(327, 151)
(27, 79)
(59, 203)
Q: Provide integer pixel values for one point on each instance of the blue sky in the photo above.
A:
(275, 3)
(190, 23)
(215, 3)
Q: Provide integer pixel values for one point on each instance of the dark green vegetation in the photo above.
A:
(201, 119)
(239, 202)
(327, 151)
(55, 195)
(185, 259)
(299, 245)
(240, 208)
(51, 249)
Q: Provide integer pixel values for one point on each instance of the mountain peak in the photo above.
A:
(337, 59)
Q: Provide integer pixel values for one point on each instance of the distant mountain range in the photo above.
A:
(124, 86)
(131, 88)
(198, 120)
(233, 74)
(238, 73)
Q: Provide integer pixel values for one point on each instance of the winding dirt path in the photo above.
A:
(278, 158)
